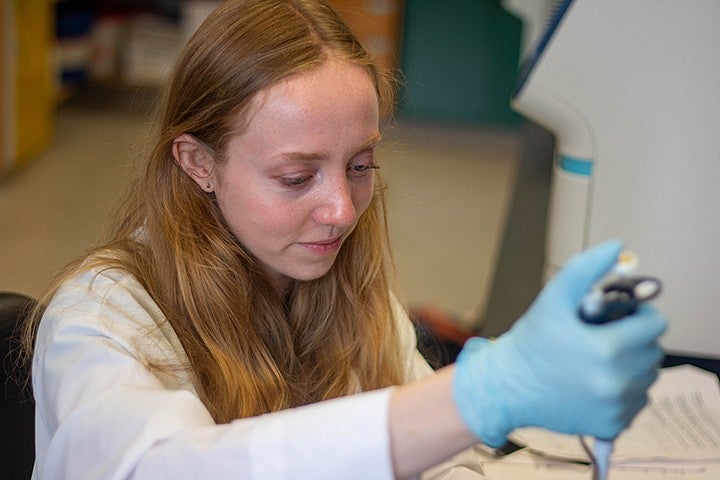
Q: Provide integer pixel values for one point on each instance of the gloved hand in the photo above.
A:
(554, 371)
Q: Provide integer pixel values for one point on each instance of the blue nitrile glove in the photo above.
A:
(554, 371)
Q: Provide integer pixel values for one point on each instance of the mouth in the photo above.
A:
(324, 247)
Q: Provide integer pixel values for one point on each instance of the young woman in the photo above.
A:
(240, 321)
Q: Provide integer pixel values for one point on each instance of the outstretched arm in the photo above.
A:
(551, 370)
(425, 425)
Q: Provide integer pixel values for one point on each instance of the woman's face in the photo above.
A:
(297, 179)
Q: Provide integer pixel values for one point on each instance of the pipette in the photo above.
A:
(617, 295)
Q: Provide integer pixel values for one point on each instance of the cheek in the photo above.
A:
(255, 219)
(363, 196)
(243, 210)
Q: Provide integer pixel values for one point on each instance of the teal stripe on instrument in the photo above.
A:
(576, 165)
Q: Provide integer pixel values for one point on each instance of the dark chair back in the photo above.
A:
(17, 405)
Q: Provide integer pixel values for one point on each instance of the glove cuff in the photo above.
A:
(476, 395)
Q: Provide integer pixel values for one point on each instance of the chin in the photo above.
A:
(309, 274)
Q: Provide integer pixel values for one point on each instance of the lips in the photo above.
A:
(324, 247)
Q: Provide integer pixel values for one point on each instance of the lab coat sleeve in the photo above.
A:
(104, 411)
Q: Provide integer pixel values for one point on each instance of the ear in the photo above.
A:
(195, 159)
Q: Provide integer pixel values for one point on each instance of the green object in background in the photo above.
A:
(459, 61)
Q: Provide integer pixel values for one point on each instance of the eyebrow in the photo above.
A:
(309, 157)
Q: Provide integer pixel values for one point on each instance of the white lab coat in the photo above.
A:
(103, 412)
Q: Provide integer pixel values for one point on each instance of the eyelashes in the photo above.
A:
(355, 171)
(294, 182)
(362, 169)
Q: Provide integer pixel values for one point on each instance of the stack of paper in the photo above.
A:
(676, 436)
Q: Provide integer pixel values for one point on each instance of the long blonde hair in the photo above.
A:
(252, 349)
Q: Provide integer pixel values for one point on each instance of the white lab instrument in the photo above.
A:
(631, 91)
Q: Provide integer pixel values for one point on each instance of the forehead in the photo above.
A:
(336, 100)
(334, 84)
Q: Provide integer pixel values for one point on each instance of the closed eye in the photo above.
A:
(294, 182)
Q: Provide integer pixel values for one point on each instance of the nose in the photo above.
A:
(336, 207)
